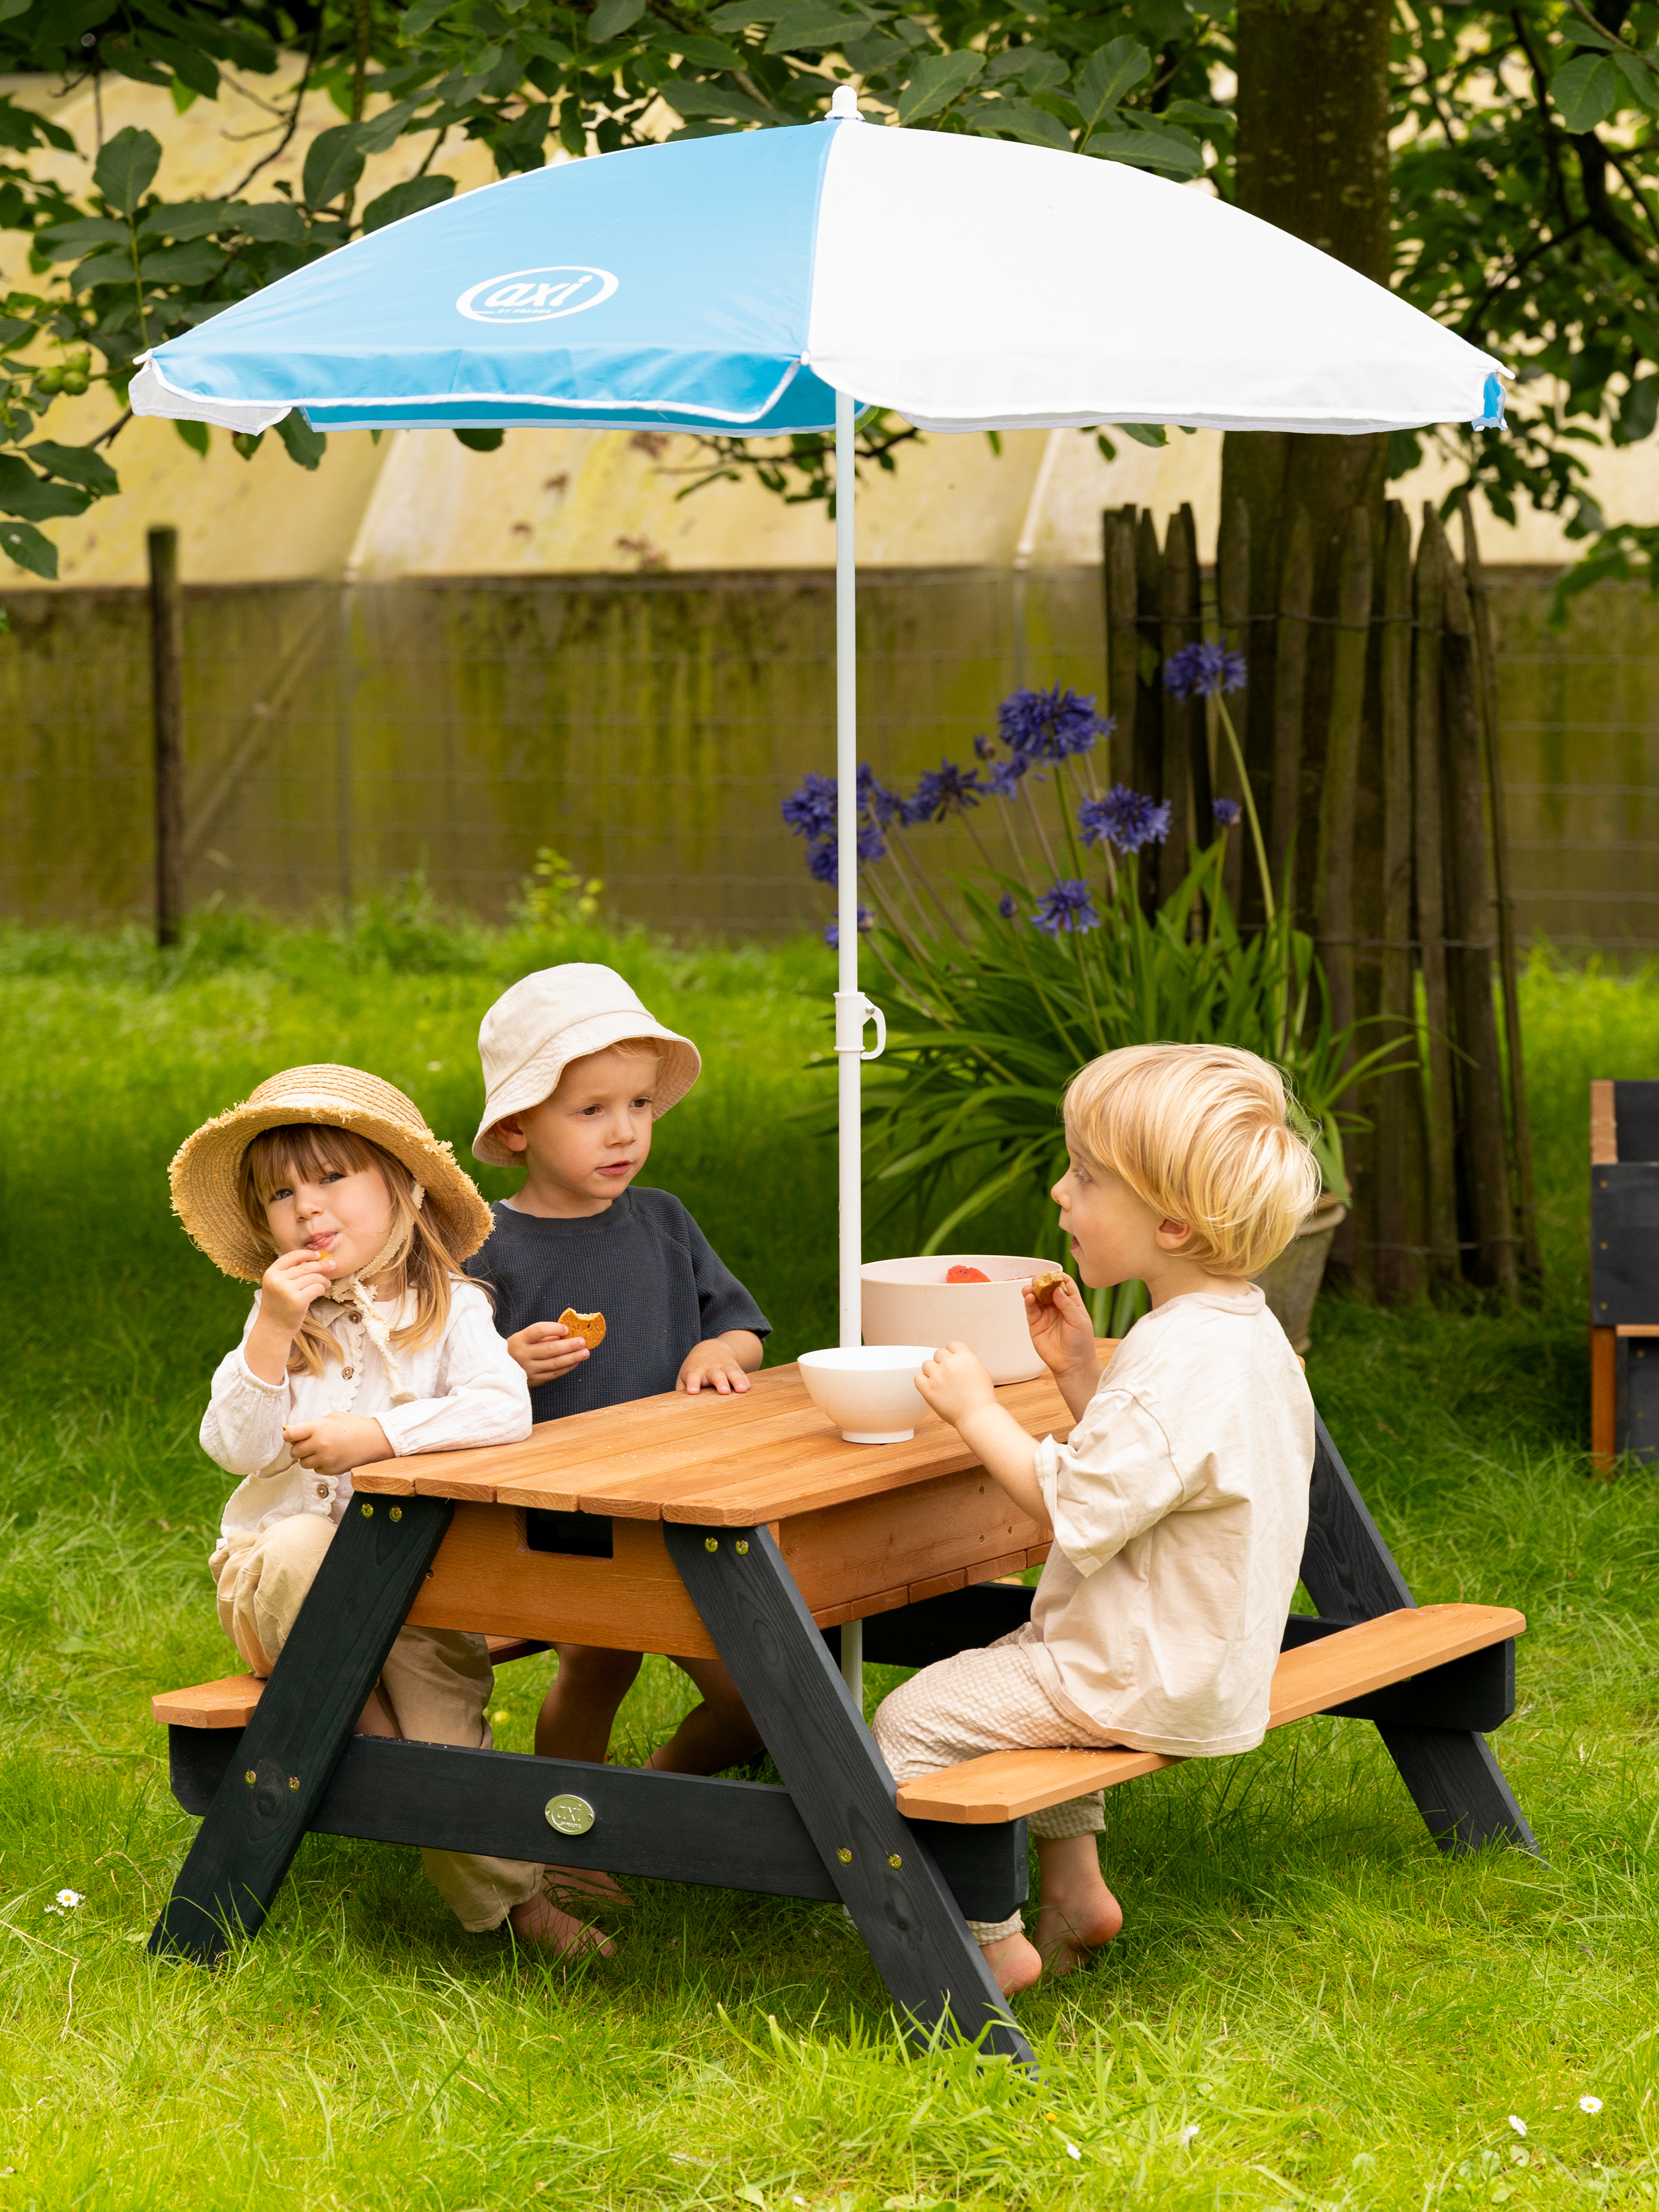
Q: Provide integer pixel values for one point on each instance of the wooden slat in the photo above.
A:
(1007, 1785)
(1604, 1126)
(719, 1461)
(1637, 1328)
(1604, 1399)
(229, 1703)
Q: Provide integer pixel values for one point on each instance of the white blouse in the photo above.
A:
(468, 1390)
(1179, 1505)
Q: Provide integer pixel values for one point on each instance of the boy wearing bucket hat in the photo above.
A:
(366, 1342)
(576, 1072)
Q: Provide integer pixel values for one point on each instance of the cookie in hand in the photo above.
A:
(590, 1327)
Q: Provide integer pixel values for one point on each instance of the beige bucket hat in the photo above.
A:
(533, 1032)
(207, 1167)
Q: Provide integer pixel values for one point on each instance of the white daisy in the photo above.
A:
(1589, 2103)
(1517, 2123)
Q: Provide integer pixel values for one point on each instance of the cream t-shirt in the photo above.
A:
(1179, 1504)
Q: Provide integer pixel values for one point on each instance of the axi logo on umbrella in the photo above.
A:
(536, 295)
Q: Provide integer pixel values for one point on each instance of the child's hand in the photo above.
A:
(337, 1442)
(547, 1350)
(713, 1364)
(955, 1383)
(1062, 1331)
(291, 1285)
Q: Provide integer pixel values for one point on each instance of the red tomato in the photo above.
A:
(965, 1276)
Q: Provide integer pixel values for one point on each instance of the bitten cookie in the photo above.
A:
(590, 1327)
(1044, 1286)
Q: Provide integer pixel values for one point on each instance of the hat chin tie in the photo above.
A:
(355, 1291)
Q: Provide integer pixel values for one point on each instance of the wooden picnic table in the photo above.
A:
(741, 1527)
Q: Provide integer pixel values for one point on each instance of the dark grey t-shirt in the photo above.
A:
(644, 1264)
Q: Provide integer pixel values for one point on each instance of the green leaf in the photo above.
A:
(1149, 149)
(816, 23)
(1038, 70)
(189, 64)
(407, 199)
(76, 464)
(707, 53)
(716, 100)
(273, 222)
(422, 17)
(22, 492)
(248, 442)
(1639, 74)
(195, 264)
(1586, 91)
(11, 8)
(382, 131)
(935, 81)
(28, 548)
(1018, 118)
(103, 269)
(196, 436)
(191, 219)
(1583, 33)
(66, 241)
(737, 16)
(304, 445)
(1107, 75)
(1144, 434)
(126, 167)
(481, 441)
(1638, 410)
(333, 165)
(612, 18)
(122, 55)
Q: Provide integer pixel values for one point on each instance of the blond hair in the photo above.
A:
(1201, 1133)
(305, 1150)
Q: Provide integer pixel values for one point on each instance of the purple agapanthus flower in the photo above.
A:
(1067, 906)
(809, 809)
(883, 804)
(983, 749)
(1050, 725)
(1200, 670)
(832, 930)
(1007, 906)
(824, 860)
(943, 792)
(1002, 779)
(1126, 818)
(1226, 812)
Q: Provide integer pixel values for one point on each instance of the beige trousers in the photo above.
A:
(437, 1682)
(978, 1701)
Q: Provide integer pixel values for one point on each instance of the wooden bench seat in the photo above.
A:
(229, 1703)
(1335, 1670)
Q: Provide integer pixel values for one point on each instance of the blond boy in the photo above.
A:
(1179, 1502)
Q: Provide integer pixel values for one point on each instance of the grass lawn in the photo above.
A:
(1308, 2006)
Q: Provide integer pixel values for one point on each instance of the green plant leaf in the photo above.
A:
(125, 169)
(723, 102)
(1018, 118)
(123, 55)
(815, 23)
(1107, 75)
(410, 199)
(1586, 91)
(381, 132)
(103, 269)
(422, 17)
(706, 53)
(272, 222)
(75, 463)
(935, 81)
(23, 493)
(25, 544)
(1639, 74)
(1144, 434)
(333, 165)
(195, 264)
(304, 445)
(481, 441)
(1638, 410)
(612, 18)
(1149, 149)
(64, 241)
(196, 436)
(191, 219)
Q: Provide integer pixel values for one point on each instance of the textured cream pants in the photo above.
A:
(437, 1682)
(978, 1701)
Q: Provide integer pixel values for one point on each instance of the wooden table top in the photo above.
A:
(726, 1463)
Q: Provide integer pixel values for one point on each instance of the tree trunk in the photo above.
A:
(1313, 159)
(1400, 1134)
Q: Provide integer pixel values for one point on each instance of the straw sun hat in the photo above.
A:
(206, 1170)
(533, 1032)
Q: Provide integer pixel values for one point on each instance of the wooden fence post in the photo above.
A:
(167, 662)
(1469, 908)
(1431, 888)
(1290, 688)
(1398, 1149)
(1122, 638)
(1183, 720)
(1333, 870)
(1232, 601)
(1520, 1120)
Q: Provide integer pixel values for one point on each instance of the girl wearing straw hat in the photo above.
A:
(366, 1342)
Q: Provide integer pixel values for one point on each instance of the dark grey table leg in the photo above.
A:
(302, 1723)
(884, 1873)
(1350, 1575)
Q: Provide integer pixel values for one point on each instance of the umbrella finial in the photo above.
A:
(844, 105)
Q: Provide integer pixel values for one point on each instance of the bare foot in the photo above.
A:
(538, 1922)
(586, 1882)
(1072, 1922)
(1014, 1965)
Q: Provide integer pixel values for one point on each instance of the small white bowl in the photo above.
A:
(868, 1390)
(903, 1299)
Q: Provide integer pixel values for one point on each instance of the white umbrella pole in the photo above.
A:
(849, 999)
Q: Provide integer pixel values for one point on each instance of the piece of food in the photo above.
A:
(590, 1327)
(966, 1275)
(1044, 1286)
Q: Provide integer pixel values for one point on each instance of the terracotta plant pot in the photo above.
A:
(1292, 1280)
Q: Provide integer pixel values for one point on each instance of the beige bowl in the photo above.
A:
(868, 1390)
(909, 1302)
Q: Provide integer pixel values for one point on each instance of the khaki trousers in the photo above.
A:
(979, 1701)
(437, 1682)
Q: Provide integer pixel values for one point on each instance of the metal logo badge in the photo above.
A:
(536, 295)
(571, 1816)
